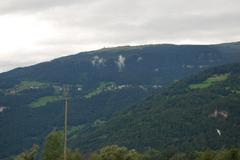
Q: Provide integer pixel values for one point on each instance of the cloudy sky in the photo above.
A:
(32, 31)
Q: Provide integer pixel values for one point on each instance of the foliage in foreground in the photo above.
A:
(29, 154)
(115, 152)
(53, 150)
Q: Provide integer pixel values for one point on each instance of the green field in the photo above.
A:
(25, 85)
(210, 81)
(43, 101)
(102, 87)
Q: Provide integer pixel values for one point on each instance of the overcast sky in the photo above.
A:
(32, 31)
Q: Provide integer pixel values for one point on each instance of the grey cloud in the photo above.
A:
(116, 22)
(91, 24)
(10, 64)
(30, 6)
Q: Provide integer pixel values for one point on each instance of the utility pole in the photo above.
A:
(65, 129)
(65, 93)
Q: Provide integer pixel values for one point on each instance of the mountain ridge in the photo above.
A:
(122, 47)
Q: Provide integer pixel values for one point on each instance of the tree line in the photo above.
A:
(53, 150)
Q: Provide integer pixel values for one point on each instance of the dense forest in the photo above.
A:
(193, 114)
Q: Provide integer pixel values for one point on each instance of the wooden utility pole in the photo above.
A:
(65, 129)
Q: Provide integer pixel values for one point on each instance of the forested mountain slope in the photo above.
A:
(197, 113)
(100, 83)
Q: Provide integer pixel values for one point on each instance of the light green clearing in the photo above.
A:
(43, 101)
(210, 81)
(102, 87)
(98, 123)
(73, 130)
(25, 85)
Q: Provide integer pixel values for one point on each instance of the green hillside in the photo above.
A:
(189, 115)
(101, 83)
